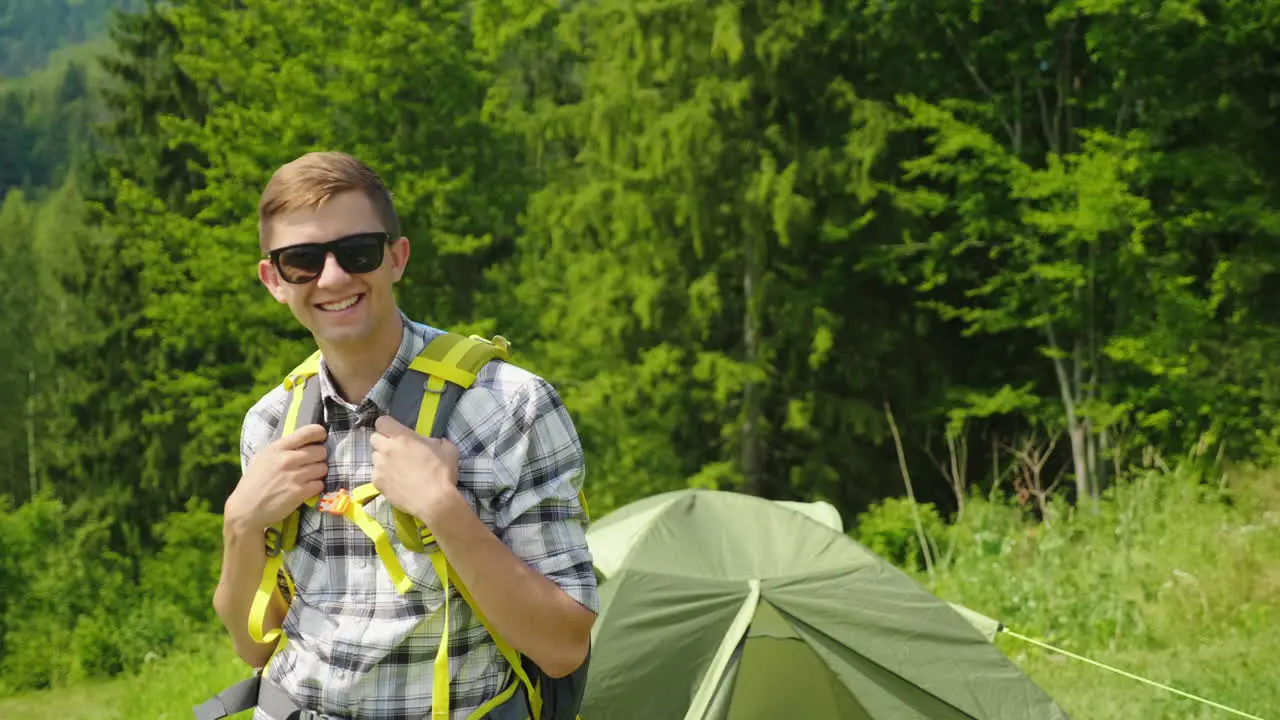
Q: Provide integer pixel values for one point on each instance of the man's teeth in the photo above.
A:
(341, 305)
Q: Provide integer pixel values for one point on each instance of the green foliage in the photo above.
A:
(85, 612)
(1096, 572)
(19, 355)
(703, 192)
(187, 563)
(721, 278)
(164, 687)
(1112, 586)
(1076, 250)
(204, 340)
(888, 529)
(144, 84)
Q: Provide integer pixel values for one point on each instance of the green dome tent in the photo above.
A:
(723, 606)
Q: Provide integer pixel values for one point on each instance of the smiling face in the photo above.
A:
(340, 308)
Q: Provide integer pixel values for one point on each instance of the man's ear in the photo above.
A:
(267, 275)
(399, 257)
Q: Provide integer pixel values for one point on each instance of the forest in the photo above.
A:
(995, 278)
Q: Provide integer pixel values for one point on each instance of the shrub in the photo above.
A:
(888, 529)
(186, 567)
(79, 612)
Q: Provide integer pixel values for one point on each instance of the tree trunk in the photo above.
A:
(1080, 460)
(1076, 430)
(752, 455)
(1104, 448)
(32, 466)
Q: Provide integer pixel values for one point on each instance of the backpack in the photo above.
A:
(423, 400)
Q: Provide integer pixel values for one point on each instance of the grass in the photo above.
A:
(165, 689)
(1171, 579)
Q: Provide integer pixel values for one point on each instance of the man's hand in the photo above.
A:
(419, 475)
(278, 479)
(413, 472)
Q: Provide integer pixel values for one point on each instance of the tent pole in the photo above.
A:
(737, 631)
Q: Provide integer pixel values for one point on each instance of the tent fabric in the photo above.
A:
(720, 605)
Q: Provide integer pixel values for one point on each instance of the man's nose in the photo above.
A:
(332, 273)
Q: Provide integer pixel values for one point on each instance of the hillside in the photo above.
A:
(31, 31)
(47, 118)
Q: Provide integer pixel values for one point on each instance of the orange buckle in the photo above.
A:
(335, 503)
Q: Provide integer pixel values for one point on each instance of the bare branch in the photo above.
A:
(1064, 382)
(1122, 115)
(1017, 116)
(982, 85)
(959, 461)
(1062, 473)
(906, 478)
(1028, 482)
(953, 470)
(1060, 124)
(1045, 124)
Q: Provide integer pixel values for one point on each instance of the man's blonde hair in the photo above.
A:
(312, 179)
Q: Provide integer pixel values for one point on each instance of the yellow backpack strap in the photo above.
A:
(427, 394)
(304, 408)
(424, 400)
(534, 694)
(440, 700)
(351, 506)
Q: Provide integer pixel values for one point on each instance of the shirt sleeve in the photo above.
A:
(542, 519)
(258, 427)
(255, 433)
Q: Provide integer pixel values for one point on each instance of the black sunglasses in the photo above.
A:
(356, 254)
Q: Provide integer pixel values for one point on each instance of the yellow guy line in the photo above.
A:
(1176, 691)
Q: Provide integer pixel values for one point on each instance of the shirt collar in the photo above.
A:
(413, 339)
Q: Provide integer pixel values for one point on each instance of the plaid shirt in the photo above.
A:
(359, 649)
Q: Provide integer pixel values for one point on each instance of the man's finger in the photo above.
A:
(390, 427)
(303, 436)
(310, 489)
(438, 443)
(316, 471)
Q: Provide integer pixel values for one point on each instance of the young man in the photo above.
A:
(500, 492)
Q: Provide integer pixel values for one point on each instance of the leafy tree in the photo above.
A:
(15, 142)
(694, 251)
(144, 85)
(19, 356)
(200, 341)
(1067, 200)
